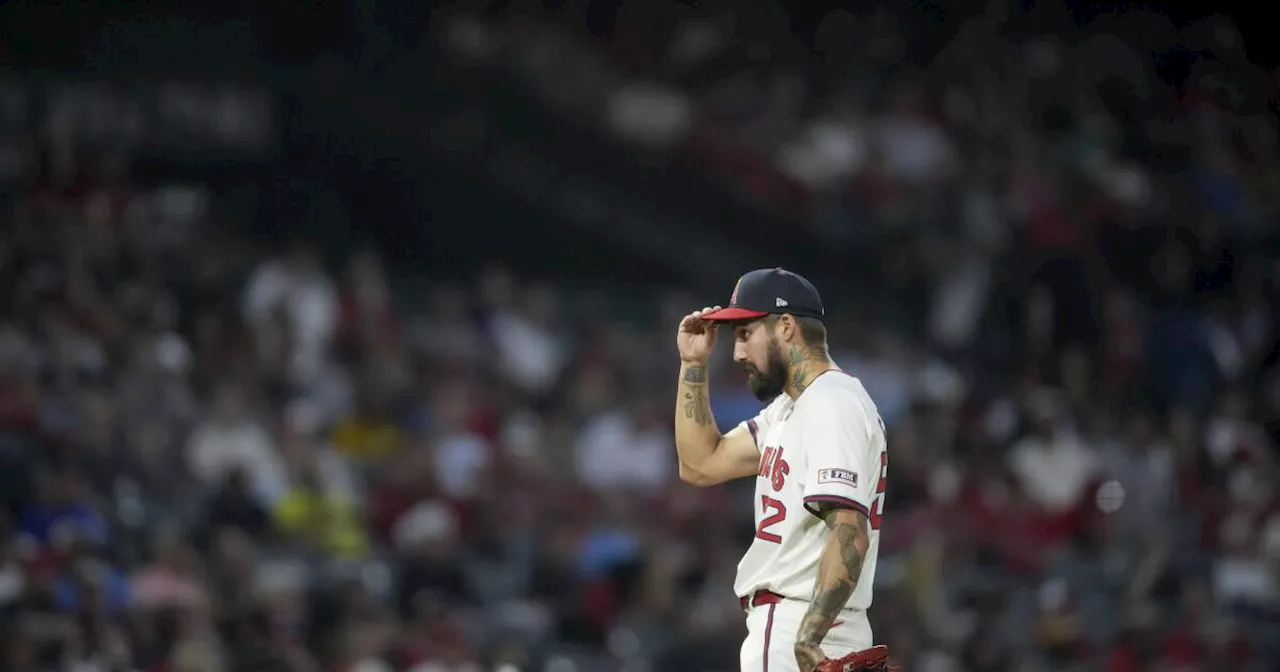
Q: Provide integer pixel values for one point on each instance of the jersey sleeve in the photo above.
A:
(759, 425)
(753, 425)
(841, 447)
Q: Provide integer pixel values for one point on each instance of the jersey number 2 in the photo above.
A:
(770, 519)
(775, 511)
(877, 506)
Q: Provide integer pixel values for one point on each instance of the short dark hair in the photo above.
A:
(812, 329)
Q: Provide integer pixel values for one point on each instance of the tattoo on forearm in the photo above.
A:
(852, 548)
(697, 408)
(836, 581)
(697, 405)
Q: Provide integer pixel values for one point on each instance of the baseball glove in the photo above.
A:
(874, 659)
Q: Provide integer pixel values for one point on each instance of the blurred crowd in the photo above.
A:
(862, 118)
(1071, 333)
(219, 456)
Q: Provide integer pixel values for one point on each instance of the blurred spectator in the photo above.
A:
(319, 516)
(431, 574)
(447, 333)
(833, 149)
(64, 511)
(233, 505)
(90, 584)
(1144, 464)
(294, 311)
(369, 431)
(650, 114)
(230, 440)
(913, 148)
(627, 449)
(529, 349)
(368, 315)
(1053, 466)
(12, 577)
(170, 582)
(462, 455)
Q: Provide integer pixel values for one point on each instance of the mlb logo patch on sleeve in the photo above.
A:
(845, 476)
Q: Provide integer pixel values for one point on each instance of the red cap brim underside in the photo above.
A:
(732, 313)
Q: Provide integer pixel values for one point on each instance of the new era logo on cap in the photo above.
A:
(770, 291)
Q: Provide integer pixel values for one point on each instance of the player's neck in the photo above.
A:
(804, 364)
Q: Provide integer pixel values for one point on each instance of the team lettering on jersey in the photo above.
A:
(774, 468)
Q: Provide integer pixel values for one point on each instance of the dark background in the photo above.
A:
(195, 482)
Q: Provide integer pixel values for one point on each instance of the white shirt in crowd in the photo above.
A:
(217, 448)
(915, 150)
(650, 114)
(311, 304)
(461, 459)
(1056, 472)
(530, 355)
(830, 151)
(612, 452)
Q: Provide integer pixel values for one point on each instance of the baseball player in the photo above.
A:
(817, 452)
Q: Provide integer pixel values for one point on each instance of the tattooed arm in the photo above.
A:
(838, 572)
(706, 457)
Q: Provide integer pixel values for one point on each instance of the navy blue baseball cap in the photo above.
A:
(770, 291)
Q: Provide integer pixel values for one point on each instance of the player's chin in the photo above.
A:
(763, 391)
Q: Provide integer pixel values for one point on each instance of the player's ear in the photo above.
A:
(786, 328)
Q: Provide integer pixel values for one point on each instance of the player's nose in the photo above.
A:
(739, 353)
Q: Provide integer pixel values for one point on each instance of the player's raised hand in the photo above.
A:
(696, 337)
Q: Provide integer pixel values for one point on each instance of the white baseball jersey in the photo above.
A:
(827, 446)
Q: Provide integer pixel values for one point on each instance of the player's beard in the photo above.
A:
(768, 384)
